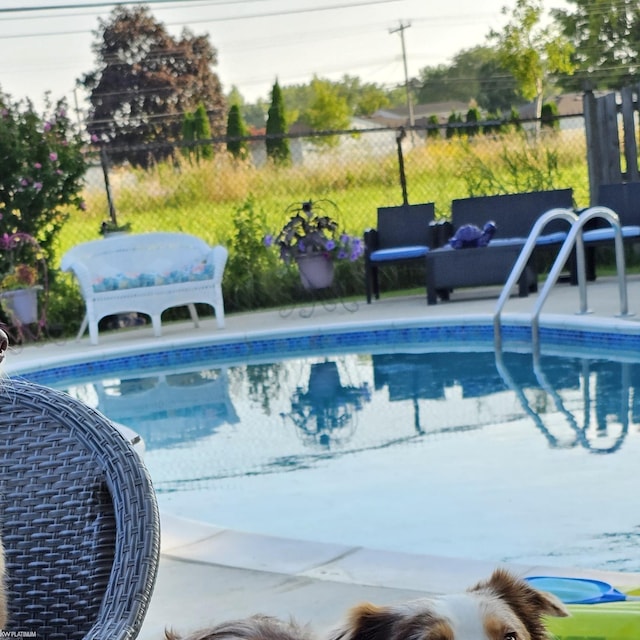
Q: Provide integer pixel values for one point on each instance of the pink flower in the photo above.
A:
(53, 156)
(37, 165)
(37, 186)
(47, 126)
(24, 182)
(94, 137)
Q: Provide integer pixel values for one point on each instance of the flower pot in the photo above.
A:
(22, 304)
(316, 271)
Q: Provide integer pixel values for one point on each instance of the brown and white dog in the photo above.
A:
(503, 607)
(258, 627)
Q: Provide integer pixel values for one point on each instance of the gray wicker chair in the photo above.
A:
(79, 519)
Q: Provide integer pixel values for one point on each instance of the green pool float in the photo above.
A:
(598, 610)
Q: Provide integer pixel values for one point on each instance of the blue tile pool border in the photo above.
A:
(376, 339)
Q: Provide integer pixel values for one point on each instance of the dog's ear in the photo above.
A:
(529, 604)
(368, 622)
(515, 590)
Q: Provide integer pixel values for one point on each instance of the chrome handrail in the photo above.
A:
(575, 238)
(523, 258)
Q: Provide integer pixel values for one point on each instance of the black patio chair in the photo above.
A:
(402, 234)
(79, 519)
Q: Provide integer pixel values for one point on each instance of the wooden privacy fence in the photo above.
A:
(611, 123)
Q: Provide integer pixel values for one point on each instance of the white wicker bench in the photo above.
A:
(146, 273)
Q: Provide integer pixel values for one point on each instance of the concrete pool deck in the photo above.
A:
(208, 574)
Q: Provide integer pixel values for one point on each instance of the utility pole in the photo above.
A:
(400, 30)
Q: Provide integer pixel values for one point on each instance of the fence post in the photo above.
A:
(593, 152)
(400, 136)
(104, 161)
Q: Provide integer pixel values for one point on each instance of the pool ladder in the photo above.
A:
(573, 239)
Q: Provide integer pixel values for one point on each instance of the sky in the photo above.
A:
(48, 48)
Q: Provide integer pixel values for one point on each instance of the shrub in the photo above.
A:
(549, 116)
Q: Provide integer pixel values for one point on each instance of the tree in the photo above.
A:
(531, 52)
(144, 83)
(277, 144)
(606, 39)
(195, 130)
(42, 173)
(363, 99)
(328, 111)
(472, 119)
(549, 116)
(474, 74)
(236, 130)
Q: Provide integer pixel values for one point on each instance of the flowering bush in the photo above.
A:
(42, 172)
(312, 231)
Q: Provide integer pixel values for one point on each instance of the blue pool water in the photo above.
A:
(447, 451)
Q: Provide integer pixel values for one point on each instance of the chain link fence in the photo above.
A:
(359, 170)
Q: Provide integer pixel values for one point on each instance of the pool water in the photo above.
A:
(447, 452)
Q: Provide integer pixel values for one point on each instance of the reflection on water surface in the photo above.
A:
(449, 453)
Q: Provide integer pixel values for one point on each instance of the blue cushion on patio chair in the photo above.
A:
(403, 234)
(399, 253)
(557, 237)
(79, 519)
(607, 233)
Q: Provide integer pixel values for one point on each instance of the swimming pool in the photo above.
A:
(447, 451)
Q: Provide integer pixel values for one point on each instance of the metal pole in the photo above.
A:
(401, 29)
(104, 161)
(403, 178)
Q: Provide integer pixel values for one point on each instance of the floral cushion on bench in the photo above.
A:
(118, 281)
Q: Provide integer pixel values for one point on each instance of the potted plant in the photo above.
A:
(20, 284)
(312, 239)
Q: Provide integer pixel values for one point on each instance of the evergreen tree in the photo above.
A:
(473, 117)
(549, 116)
(433, 127)
(195, 129)
(188, 133)
(277, 145)
(202, 131)
(236, 130)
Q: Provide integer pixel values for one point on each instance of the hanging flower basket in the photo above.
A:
(22, 304)
(316, 270)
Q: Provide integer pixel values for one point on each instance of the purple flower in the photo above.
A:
(94, 137)
(24, 182)
(330, 245)
(47, 126)
(53, 156)
(37, 186)
(268, 240)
